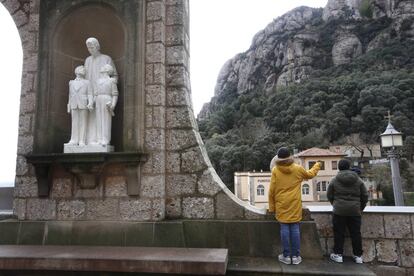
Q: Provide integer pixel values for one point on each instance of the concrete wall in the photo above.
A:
(388, 237)
(242, 238)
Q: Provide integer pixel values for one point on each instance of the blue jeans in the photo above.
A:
(290, 236)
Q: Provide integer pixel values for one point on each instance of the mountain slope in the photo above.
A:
(310, 78)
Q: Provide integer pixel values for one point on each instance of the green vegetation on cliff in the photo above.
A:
(243, 131)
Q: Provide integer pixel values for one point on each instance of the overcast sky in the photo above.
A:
(219, 29)
(10, 76)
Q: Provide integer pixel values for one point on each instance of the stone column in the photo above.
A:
(153, 178)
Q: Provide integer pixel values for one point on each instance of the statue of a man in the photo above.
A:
(80, 100)
(93, 66)
(106, 97)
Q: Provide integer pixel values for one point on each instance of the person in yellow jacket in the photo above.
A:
(286, 202)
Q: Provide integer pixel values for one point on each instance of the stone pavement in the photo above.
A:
(271, 266)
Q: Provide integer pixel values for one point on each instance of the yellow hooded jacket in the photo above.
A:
(285, 190)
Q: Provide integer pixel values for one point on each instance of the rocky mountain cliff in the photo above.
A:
(306, 39)
(314, 77)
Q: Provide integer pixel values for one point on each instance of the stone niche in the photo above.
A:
(160, 168)
(64, 28)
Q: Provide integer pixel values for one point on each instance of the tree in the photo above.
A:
(381, 176)
(408, 149)
(316, 137)
(373, 118)
(334, 103)
(355, 142)
(365, 8)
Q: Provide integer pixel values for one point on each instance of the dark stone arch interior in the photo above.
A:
(91, 20)
(67, 50)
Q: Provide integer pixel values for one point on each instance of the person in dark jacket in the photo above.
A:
(348, 195)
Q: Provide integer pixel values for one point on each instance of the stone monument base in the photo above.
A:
(253, 247)
(67, 148)
(243, 238)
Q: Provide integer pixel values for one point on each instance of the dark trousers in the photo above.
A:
(340, 223)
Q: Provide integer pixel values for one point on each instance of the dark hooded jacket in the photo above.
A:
(347, 194)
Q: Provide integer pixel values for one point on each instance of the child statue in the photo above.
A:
(106, 97)
(80, 100)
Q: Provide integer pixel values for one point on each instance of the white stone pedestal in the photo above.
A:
(88, 148)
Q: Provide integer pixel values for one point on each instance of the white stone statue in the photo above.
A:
(80, 100)
(93, 66)
(106, 97)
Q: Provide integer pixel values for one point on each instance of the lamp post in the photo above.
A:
(392, 139)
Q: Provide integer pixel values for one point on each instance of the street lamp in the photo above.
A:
(391, 138)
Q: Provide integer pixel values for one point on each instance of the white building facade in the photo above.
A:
(253, 187)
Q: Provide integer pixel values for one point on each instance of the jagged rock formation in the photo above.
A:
(342, 8)
(347, 47)
(305, 39)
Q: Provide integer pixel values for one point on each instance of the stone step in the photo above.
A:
(190, 261)
(242, 238)
(248, 266)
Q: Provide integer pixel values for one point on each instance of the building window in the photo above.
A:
(334, 165)
(321, 186)
(260, 190)
(305, 189)
(311, 163)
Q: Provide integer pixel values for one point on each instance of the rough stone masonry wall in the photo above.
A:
(192, 187)
(177, 181)
(388, 240)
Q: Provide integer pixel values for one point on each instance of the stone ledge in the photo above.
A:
(74, 158)
(241, 238)
(201, 261)
(86, 167)
(68, 148)
(368, 209)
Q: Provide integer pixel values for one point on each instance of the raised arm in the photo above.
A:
(311, 173)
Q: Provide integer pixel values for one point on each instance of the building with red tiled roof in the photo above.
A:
(253, 187)
(317, 152)
(315, 189)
